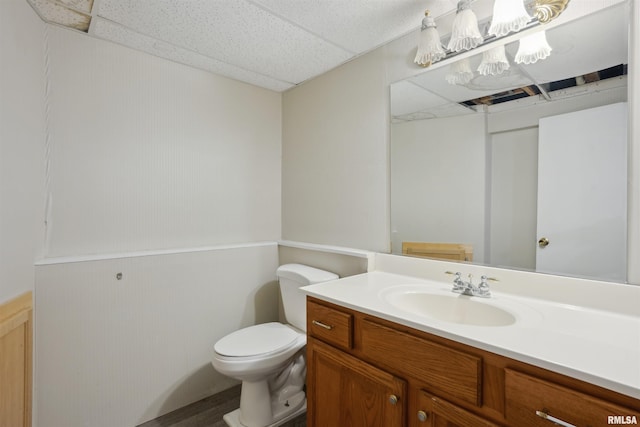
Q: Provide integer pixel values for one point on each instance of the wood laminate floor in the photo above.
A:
(208, 413)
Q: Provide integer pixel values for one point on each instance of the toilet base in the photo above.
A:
(233, 418)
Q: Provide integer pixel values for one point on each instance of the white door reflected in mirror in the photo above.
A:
(582, 174)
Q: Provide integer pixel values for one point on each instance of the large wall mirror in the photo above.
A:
(525, 169)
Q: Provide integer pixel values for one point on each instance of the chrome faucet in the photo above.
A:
(468, 288)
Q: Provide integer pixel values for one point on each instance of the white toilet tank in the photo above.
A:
(292, 277)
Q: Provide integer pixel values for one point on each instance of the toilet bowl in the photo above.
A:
(269, 358)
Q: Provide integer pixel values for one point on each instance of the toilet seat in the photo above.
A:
(258, 341)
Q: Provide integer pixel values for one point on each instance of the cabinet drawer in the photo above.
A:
(529, 399)
(330, 325)
(444, 371)
(435, 412)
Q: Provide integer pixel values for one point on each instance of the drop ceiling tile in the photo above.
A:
(356, 25)
(448, 110)
(407, 98)
(453, 110)
(412, 102)
(110, 31)
(236, 32)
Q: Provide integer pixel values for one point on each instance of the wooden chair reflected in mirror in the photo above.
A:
(447, 251)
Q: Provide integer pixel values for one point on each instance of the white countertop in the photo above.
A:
(596, 346)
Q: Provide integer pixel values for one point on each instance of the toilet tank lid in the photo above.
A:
(305, 274)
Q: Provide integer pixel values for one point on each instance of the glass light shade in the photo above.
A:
(430, 48)
(494, 62)
(465, 34)
(508, 16)
(533, 48)
(460, 73)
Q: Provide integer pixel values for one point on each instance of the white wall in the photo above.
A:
(150, 154)
(115, 352)
(147, 154)
(438, 171)
(22, 145)
(335, 158)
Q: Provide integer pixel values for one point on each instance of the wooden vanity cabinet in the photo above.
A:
(363, 371)
(349, 392)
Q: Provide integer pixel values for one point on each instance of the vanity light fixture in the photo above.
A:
(494, 62)
(533, 48)
(547, 10)
(508, 16)
(430, 48)
(465, 34)
(460, 73)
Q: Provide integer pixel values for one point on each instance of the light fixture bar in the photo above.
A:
(489, 38)
(542, 11)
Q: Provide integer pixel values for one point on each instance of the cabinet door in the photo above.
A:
(435, 412)
(343, 391)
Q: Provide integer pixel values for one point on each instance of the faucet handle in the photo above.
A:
(483, 287)
(458, 284)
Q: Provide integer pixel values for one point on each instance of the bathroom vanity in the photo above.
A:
(374, 361)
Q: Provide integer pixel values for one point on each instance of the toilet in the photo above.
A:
(269, 358)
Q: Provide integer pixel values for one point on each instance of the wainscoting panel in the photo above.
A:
(119, 342)
(16, 346)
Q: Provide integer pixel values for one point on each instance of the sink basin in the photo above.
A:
(447, 306)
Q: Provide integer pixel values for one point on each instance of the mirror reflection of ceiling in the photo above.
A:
(581, 48)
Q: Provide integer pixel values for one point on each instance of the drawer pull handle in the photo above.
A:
(554, 420)
(322, 325)
(393, 399)
(422, 416)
